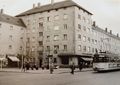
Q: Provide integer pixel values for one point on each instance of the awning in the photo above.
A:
(13, 58)
(87, 59)
(1, 59)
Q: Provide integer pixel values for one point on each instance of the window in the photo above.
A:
(88, 39)
(28, 22)
(93, 50)
(11, 27)
(48, 19)
(48, 28)
(79, 47)
(65, 36)
(88, 30)
(56, 28)
(41, 18)
(65, 26)
(84, 28)
(79, 16)
(48, 38)
(33, 39)
(88, 49)
(11, 37)
(33, 48)
(48, 48)
(95, 41)
(21, 38)
(65, 16)
(40, 34)
(56, 17)
(84, 19)
(65, 47)
(56, 37)
(79, 26)
(41, 24)
(21, 47)
(79, 36)
(21, 28)
(33, 30)
(0, 25)
(56, 48)
(10, 46)
(84, 38)
(84, 48)
(40, 43)
(28, 39)
(0, 35)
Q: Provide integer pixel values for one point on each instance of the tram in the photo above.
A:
(106, 62)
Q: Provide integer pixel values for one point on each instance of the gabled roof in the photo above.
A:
(58, 5)
(11, 20)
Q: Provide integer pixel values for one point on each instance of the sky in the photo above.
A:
(106, 13)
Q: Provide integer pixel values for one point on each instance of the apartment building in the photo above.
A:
(12, 37)
(57, 28)
(64, 32)
(105, 40)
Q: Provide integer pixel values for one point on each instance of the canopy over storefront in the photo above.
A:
(13, 58)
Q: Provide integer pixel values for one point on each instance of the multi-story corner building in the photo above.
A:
(57, 28)
(64, 31)
(12, 36)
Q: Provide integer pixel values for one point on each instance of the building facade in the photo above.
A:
(64, 32)
(12, 37)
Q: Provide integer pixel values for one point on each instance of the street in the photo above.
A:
(60, 77)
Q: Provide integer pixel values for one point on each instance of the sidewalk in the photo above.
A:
(40, 71)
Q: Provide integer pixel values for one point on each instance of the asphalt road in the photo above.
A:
(60, 78)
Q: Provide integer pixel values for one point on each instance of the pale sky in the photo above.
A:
(106, 13)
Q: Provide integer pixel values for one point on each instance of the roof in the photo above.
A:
(58, 5)
(11, 20)
(103, 31)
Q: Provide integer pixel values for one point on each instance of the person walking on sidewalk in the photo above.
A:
(24, 67)
(72, 66)
(51, 68)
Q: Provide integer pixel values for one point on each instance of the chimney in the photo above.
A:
(52, 2)
(117, 35)
(110, 31)
(106, 29)
(33, 5)
(39, 4)
(94, 23)
(1, 11)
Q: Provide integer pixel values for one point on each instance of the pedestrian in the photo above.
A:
(80, 66)
(51, 68)
(24, 67)
(43, 67)
(72, 66)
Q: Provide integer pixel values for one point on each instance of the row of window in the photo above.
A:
(86, 49)
(11, 27)
(85, 39)
(56, 37)
(84, 19)
(56, 48)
